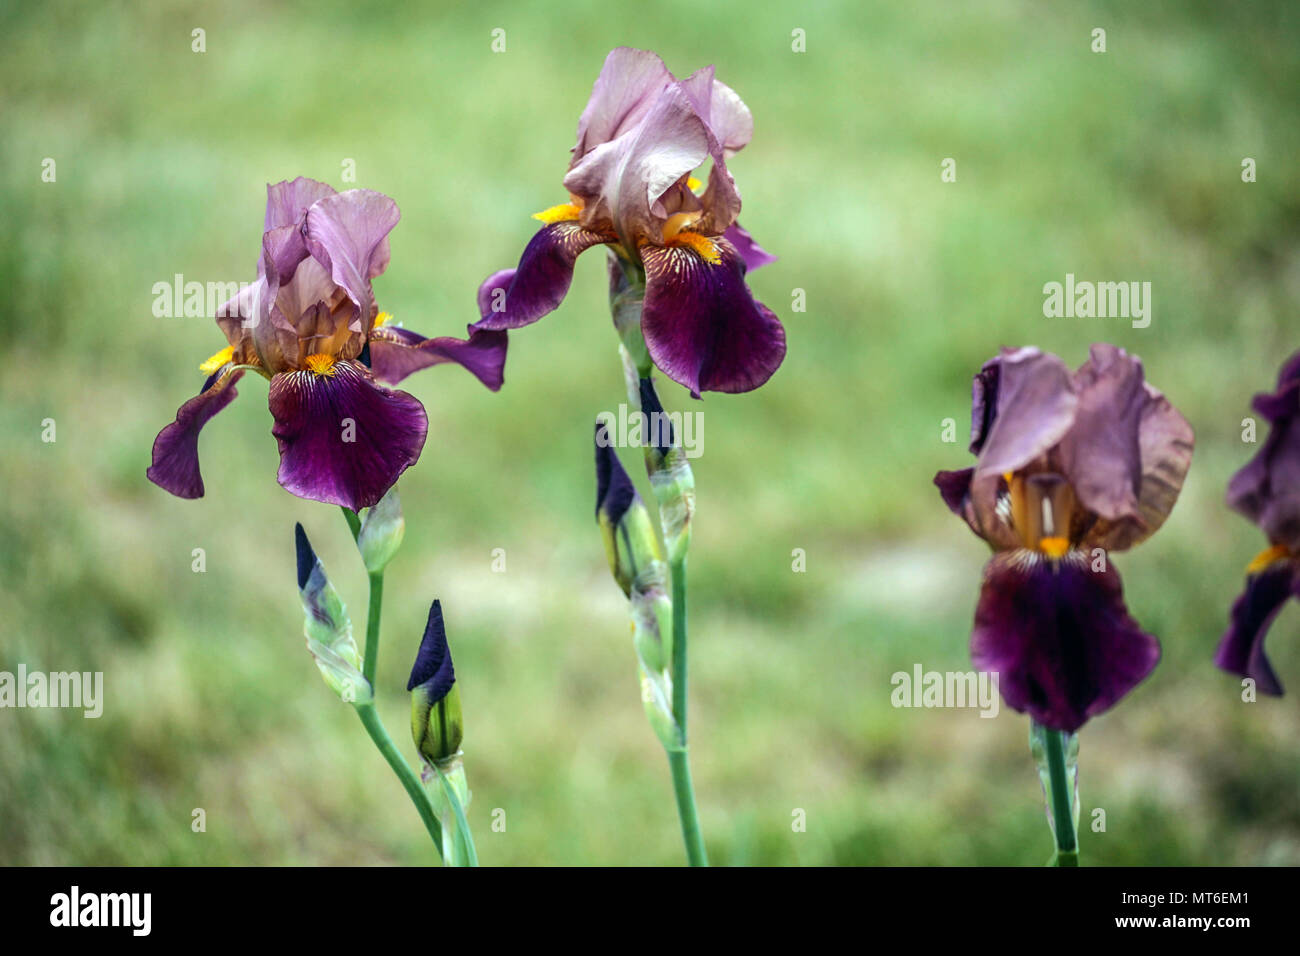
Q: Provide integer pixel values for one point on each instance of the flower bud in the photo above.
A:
(670, 473)
(382, 530)
(630, 541)
(436, 723)
(328, 628)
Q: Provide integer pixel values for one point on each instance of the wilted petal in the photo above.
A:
(540, 282)
(1034, 406)
(1101, 454)
(1241, 650)
(1059, 637)
(753, 254)
(175, 465)
(343, 439)
(396, 352)
(1165, 441)
(348, 234)
(702, 326)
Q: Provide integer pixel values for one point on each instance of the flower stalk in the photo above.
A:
(1057, 756)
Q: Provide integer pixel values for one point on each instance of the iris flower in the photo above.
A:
(1071, 467)
(310, 325)
(1267, 491)
(630, 183)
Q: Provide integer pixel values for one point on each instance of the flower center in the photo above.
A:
(320, 364)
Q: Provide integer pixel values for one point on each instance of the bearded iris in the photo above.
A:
(310, 325)
(1267, 491)
(641, 137)
(1071, 467)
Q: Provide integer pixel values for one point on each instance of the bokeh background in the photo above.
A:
(1117, 166)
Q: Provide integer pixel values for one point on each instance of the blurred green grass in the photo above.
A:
(1117, 166)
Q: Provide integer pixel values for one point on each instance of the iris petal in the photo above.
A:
(1241, 650)
(1059, 637)
(511, 300)
(343, 439)
(702, 326)
(175, 466)
(396, 352)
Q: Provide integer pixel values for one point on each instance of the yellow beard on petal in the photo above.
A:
(320, 364)
(218, 360)
(703, 246)
(1053, 547)
(1266, 557)
(565, 212)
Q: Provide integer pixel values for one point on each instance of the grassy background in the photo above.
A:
(1122, 166)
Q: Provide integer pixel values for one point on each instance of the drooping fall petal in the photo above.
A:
(540, 282)
(175, 466)
(396, 352)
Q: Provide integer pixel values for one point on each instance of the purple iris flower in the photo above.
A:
(1071, 467)
(1267, 491)
(630, 183)
(310, 325)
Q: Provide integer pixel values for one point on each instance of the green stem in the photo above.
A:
(462, 824)
(370, 716)
(372, 627)
(375, 727)
(1067, 848)
(679, 762)
(679, 645)
(679, 759)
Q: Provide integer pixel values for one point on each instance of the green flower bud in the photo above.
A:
(328, 628)
(436, 723)
(382, 530)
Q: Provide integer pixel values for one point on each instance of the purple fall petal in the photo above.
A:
(396, 352)
(1241, 649)
(1059, 637)
(753, 254)
(702, 326)
(541, 280)
(175, 466)
(316, 415)
(1267, 489)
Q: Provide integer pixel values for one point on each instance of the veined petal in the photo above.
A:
(343, 439)
(1059, 637)
(175, 466)
(512, 299)
(753, 254)
(348, 234)
(396, 352)
(1241, 649)
(701, 324)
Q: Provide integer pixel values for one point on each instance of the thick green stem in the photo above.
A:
(410, 780)
(679, 759)
(1067, 847)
